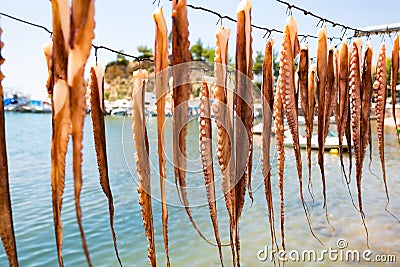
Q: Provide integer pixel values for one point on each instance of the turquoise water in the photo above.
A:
(28, 144)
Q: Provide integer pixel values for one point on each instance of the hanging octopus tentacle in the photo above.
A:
(161, 74)
(223, 114)
(328, 93)
(205, 137)
(279, 137)
(379, 87)
(355, 105)
(304, 88)
(61, 113)
(267, 107)
(325, 81)
(349, 139)
(310, 120)
(181, 93)
(395, 71)
(342, 110)
(99, 134)
(303, 78)
(6, 219)
(290, 48)
(244, 111)
(335, 104)
(322, 66)
(366, 94)
(80, 43)
(343, 102)
(331, 90)
(140, 78)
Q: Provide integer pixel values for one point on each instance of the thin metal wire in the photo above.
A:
(122, 53)
(26, 22)
(268, 31)
(262, 28)
(95, 54)
(156, 1)
(321, 19)
(94, 46)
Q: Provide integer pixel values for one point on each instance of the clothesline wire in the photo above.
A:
(268, 31)
(121, 53)
(96, 47)
(26, 22)
(321, 19)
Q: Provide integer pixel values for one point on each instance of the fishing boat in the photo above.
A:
(36, 106)
(119, 112)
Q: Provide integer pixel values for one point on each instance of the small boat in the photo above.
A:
(36, 106)
(119, 112)
(332, 141)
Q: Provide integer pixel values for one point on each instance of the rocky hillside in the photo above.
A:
(118, 77)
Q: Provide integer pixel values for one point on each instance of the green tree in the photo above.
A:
(275, 64)
(145, 52)
(197, 50)
(120, 57)
(120, 61)
(170, 39)
(209, 54)
(388, 70)
(258, 63)
(231, 63)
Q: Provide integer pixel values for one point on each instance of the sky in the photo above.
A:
(127, 24)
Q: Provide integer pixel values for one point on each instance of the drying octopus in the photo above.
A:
(244, 118)
(205, 137)
(140, 78)
(343, 122)
(181, 93)
(6, 221)
(379, 87)
(326, 84)
(161, 73)
(236, 169)
(286, 102)
(223, 114)
(335, 89)
(366, 100)
(267, 107)
(99, 134)
(306, 85)
(286, 99)
(355, 104)
(72, 41)
(279, 136)
(322, 65)
(310, 117)
(330, 91)
(395, 71)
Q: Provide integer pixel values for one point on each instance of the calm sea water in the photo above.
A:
(28, 144)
